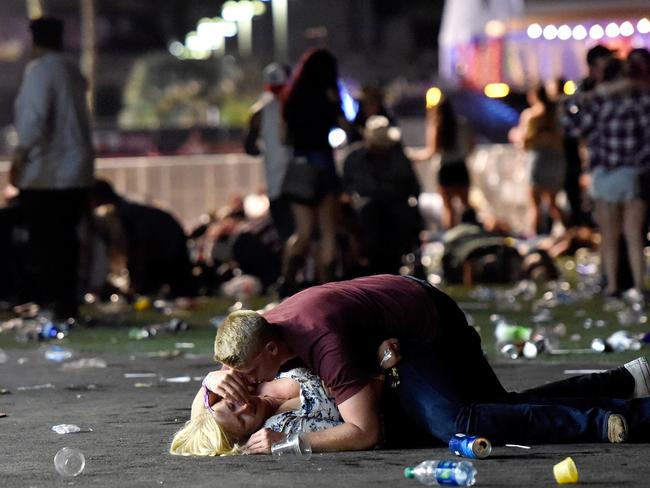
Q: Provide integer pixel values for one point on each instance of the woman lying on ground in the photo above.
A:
(296, 401)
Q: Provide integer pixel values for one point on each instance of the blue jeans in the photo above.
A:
(451, 388)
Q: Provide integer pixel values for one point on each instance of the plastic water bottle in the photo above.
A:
(49, 330)
(450, 473)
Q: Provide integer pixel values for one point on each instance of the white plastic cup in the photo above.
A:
(69, 462)
(295, 445)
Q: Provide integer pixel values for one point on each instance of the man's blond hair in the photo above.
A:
(242, 336)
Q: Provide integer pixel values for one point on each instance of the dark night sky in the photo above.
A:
(134, 25)
(392, 38)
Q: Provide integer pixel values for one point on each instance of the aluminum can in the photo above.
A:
(470, 446)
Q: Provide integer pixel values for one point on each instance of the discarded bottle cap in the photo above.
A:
(69, 462)
(566, 472)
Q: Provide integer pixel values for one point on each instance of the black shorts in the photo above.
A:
(453, 174)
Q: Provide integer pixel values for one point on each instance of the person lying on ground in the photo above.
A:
(447, 386)
(294, 402)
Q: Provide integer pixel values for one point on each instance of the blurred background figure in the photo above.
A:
(146, 241)
(312, 107)
(53, 166)
(263, 136)
(540, 134)
(578, 210)
(451, 138)
(239, 238)
(381, 186)
(371, 102)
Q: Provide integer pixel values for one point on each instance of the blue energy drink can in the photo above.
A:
(470, 446)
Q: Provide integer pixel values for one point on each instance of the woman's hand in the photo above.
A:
(389, 354)
(261, 441)
(228, 383)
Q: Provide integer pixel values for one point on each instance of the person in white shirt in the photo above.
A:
(53, 165)
(265, 127)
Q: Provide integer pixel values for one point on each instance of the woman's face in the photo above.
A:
(240, 419)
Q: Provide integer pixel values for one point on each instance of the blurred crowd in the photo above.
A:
(328, 216)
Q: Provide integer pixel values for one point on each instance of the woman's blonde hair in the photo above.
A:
(203, 436)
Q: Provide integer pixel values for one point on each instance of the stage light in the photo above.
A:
(612, 30)
(596, 32)
(496, 90)
(564, 32)
(579, 32)
(433, 96)
(534, 31)
(550, 32)
(643, 26)
(495, 28)
(627, 29)
(569, 87)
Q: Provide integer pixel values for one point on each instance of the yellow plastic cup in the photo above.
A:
(566, 472)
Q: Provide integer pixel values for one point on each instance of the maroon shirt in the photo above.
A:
(336, 328)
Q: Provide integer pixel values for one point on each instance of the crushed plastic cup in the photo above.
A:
(3, 357)
(57, 354)
(66, 428)
(566, 472)
(69, 462)
(295, 445)
(84, 363)
(70, 429)
(623, 340)
(510, 351)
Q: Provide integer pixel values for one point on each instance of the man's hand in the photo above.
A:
(229, 384)
(261, 441)
(388, 353)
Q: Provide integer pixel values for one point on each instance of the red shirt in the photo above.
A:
(336, 328)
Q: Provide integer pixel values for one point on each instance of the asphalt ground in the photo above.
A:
(134, 418)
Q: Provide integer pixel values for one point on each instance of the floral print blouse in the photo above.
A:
(317, 410)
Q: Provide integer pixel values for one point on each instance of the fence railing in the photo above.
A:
(191, 185)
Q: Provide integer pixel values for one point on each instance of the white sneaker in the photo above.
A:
(617, 430)
(640, 371)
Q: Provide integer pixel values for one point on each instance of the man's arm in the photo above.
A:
(32, 107)
(360, 430)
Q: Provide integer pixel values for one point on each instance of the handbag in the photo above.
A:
(301, 181)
